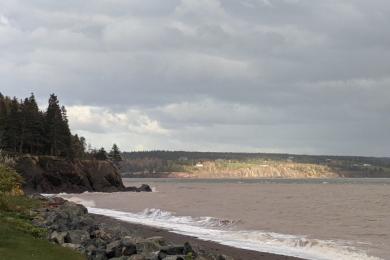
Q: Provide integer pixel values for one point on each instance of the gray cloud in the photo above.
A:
(251, 75)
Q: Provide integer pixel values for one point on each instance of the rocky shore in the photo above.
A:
(71, 226)
(98, 237)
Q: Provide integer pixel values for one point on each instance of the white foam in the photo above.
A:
(212, 229)
(86, 203)
(54, 194)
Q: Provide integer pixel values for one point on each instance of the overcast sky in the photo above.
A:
(295, 76)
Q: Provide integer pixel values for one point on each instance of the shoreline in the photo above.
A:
(197, 244)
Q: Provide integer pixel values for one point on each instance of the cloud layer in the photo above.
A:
(298, 76)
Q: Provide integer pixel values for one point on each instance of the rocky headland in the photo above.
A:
(48, 174)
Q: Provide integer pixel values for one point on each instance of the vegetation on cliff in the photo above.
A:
(24, 128)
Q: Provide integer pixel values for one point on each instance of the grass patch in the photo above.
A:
(19, 239)
(15, 244)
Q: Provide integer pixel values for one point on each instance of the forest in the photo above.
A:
(25, 129)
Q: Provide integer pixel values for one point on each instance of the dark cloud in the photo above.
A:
(251, 75)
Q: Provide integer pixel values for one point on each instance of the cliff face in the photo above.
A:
(48, 174)
(267, 170)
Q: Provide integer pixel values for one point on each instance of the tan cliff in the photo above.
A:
(266, 170)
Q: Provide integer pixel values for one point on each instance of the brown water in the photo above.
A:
(329, 220)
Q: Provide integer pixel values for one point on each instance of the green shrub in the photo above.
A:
(6, 159)
(24, 225)
(10, 180)
(18, 204)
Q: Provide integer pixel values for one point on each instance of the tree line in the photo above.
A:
(24, 128)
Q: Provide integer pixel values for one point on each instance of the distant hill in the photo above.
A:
(251, 165)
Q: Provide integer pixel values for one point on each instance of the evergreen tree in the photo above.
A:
(78, 146)
(57, 129)
(3, 116)
(11, 136)
(101, 155)
(26, 129)
(34, 136)
(65, 135)
(115, 154)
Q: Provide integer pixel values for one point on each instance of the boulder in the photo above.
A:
(127, 240)
(72, 246)
(144, 188)
(58, 237)
(102, 234)
(77, 237)
(157, 240)
(172, 250)
(174, 257)
(147, 246)
(137, 257)
(114, 249)
(97, 254)
(129, 246)
(98, 243)
(129, 249)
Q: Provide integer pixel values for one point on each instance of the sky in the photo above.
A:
(289, 76)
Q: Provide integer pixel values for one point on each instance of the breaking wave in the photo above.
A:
(221, 231)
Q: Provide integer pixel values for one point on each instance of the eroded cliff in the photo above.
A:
(47, 174)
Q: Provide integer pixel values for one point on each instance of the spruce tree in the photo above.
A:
(101, 155)
(3, 116)
(57, 129)
(78, 147)
(115, 154)
(11, 136)
(33, 125)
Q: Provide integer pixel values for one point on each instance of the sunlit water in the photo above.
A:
(313, 219)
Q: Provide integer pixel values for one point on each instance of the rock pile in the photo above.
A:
(71, 226)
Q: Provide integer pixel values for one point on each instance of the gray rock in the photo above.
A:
(147, 246)
(77, 247)
(99, 243)
(120, 258)
(127, 240)
(97, 254)
(58, 237)
(114, 249)
(129, 249)
(174, 257)
(137, 257)
(102, 234)
(157, 240)
(144, 188)
(173, 250)
(77, 237)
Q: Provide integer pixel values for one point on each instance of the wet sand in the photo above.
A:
(199, 245)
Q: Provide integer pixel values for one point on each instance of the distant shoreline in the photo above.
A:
(189, 175)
